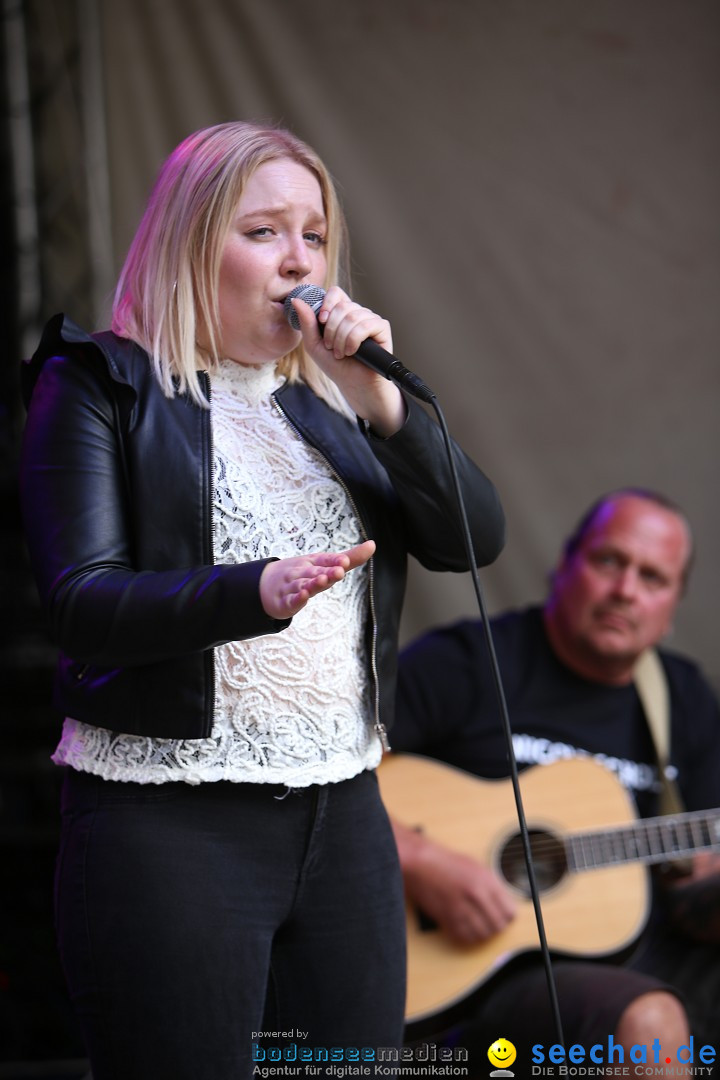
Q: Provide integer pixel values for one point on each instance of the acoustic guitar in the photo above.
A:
(590, 856)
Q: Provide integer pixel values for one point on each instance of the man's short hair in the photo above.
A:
(576, 537)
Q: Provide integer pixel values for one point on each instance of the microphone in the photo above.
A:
(370, 353)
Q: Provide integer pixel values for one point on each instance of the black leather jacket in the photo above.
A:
(116, 488)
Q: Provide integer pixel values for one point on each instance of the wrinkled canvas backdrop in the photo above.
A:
(532, 188)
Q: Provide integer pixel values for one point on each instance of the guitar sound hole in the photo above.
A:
(548, 856)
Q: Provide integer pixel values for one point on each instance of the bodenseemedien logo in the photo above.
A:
(292, 1059)
(501, 1054)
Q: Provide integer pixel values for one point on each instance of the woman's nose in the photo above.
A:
(296, 260)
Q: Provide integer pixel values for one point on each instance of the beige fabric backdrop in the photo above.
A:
(532, 188)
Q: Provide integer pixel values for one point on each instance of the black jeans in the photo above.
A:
(194, 920)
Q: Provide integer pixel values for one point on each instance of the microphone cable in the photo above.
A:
(505, 719)
(375, 357)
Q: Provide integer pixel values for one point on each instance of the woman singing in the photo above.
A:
(219, 509)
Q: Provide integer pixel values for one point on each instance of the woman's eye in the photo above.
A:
(262, 230)
(315, 238)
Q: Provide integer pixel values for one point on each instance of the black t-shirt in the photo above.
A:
(447, 709)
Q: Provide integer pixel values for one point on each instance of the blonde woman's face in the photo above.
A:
(276, 241)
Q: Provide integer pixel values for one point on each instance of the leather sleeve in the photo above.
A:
(416, 461)
(102, 608)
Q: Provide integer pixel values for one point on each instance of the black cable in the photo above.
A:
(377, 359)
(497, 679)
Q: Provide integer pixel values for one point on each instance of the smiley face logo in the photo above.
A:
(502, 1053)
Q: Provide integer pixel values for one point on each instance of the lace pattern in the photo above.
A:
(292, 707)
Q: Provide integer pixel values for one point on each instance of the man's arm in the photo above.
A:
(466, 899)
(693, 902)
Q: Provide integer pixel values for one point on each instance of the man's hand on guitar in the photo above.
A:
(466, 899)
(693, 901)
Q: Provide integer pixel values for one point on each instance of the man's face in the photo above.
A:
(617, 593)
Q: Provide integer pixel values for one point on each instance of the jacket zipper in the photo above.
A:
(378, 725)
(211, 553)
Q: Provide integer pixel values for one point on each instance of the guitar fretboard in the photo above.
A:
(651, 841)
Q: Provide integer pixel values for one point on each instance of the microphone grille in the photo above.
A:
(311, 294)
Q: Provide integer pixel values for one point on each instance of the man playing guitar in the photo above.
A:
(568, 671)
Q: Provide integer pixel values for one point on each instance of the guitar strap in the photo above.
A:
(651, 685)
(652, 688)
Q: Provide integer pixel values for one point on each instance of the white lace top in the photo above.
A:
(292, 707)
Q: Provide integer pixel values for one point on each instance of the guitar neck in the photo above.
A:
(653, 840)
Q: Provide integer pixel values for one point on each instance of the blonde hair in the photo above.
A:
(167, 289)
